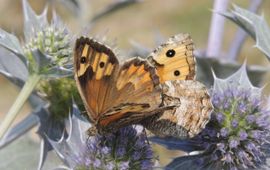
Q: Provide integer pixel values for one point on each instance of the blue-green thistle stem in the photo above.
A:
(26, 91)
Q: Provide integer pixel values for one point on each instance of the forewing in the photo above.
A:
(189, 117)
(174, 60)
(95, 68)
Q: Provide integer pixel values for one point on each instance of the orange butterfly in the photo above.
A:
(139, 91)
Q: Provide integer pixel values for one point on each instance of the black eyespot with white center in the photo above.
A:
(101, 64)
(170, 53)
(176, 72)
(83, 60)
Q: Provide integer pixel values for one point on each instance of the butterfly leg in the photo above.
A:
(144, 131)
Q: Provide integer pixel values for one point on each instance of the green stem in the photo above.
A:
(26, 91)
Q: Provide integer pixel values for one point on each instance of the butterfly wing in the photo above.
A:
(135, 95)
(191, 115)
(175, 66)
(95, 68)
(174, 60)
(114, 96)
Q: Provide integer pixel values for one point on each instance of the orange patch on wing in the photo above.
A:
(111, 118)
(131, 69)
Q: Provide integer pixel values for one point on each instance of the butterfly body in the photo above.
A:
(119, 94)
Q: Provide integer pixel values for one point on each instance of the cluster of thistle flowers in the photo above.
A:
(53, 41)
(124, 149)
(238, 132)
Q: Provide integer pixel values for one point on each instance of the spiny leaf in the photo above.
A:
(184, 162)
(254, 25)
(224, 69)
(32, 21)
(21, 128)
(177, 144)
(238, 79)
(11, 43)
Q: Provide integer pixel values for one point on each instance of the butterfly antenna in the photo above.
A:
(144, 131)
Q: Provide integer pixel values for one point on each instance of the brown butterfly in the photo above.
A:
(138, 91)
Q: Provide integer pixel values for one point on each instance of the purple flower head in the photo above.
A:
(234, 123)
(250, 118)
(252, 148)
(110, 166)
(124, 141)
(217, 99)
(242, 135)
(124, 165)
(146, 164)
(256, 102)
(105, 151)
(226, 104)
(211, 132)
(92, 146)
(220, 117)
(242, 126)
(233, 143)
(224, 132)
(88, 161)
(256, 134)
(121, 151)
(124, 155)
(136, 155)
(97, 163)
(140, 141)
(215, 102)
(236, 93)
(228, 158)
(262, 122)
(242, 108)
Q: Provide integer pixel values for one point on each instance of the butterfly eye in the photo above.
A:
(176, 72)
(170, 53)
(83, 60)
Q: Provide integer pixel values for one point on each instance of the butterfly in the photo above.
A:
(158, 92)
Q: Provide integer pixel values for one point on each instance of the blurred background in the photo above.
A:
(144, 22)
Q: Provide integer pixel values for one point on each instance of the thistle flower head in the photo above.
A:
(47, 45)
(124, 149)
(53, 41)
(238, 132)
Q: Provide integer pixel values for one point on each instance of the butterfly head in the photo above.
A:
(92, 131)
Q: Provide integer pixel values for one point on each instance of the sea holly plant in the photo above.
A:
(125, 149)
(254, 25)
(238, 134)
(45, 53)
